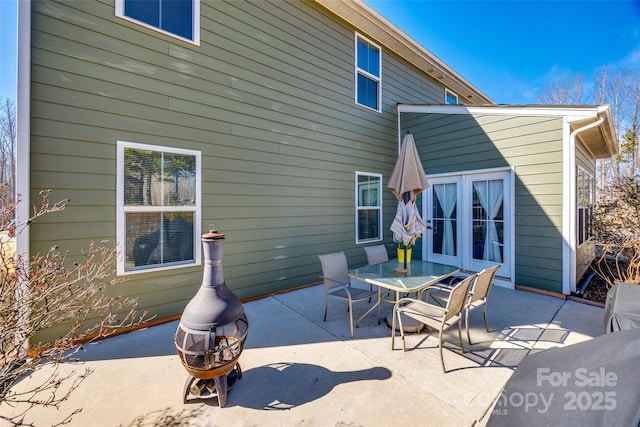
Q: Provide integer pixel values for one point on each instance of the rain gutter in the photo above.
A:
(569, 223)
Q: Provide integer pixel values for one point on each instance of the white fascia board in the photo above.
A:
(571, 113)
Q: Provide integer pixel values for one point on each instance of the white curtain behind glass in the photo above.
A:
(446, 194)
(490, 194)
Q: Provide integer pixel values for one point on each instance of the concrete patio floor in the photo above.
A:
(299, 370)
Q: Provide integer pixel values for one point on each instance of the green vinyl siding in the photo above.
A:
(267, 98)
(449, 143)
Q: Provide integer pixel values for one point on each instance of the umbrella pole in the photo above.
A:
(405, 197)
(405, 257)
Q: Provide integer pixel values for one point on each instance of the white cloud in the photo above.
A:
(633, 59)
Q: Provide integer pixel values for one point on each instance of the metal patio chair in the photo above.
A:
(337, 284)
(434, 315)
(478, 295)
(376, 254)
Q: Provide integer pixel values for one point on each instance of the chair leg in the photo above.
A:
(444, 371)
(351, 318)
(484, 312)
(379, 302)
(393, 329)
(404, 345)
(326, 306)
(460, 334)
(466, 324)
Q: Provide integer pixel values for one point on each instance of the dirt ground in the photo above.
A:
(597, 290)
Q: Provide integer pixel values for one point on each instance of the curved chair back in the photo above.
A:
(335, 269)
(458, 299)
(483, 284)
(376, 254)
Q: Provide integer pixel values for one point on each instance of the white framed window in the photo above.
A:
(368, 73)
(177, 18)
(157, 207)
(368, 207)
(450, 97)
(586, 198)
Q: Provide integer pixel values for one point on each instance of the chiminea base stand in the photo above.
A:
(208, 388)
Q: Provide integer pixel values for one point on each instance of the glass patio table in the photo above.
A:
(419, 275)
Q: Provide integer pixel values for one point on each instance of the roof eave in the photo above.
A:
(601, 141)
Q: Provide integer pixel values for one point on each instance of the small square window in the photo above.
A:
(368, 73)
(450, 97)
(368, 207)
(180, 18)
(158, 207)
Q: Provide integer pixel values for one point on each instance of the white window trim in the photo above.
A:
(591, 196)
(447, 94)
(121, 209)
(358, 207)
(119, 8)
(358, 70)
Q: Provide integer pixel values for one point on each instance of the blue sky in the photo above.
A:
(511, 49)
(8, 49)
(508, 49)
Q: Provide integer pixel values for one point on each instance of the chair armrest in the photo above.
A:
(439, 287)
(335, 281)
(439, 299)
(416, 301)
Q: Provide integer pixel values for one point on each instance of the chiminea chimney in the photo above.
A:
(212, 330)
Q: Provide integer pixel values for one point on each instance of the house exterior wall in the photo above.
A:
(532, 146)
(267, 97)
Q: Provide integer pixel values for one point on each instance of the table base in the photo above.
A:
(409, 325)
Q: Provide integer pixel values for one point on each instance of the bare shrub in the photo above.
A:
(617, 230)
(58, 290)
(619, 263)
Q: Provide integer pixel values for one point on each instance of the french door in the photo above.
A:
(470, 218)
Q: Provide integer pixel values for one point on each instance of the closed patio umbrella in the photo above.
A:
(407, 181)
(407, 224)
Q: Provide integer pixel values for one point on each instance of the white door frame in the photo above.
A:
(464, 257)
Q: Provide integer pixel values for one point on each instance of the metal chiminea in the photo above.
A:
(212, 330)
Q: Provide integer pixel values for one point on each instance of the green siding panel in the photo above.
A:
(267, 97)
(532, 146)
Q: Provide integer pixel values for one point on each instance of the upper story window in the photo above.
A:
(368, 73)
(157, 207)
(178, 18)
(368, 207)
(450, 97)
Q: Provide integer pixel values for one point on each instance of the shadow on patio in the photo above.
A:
(298, 369)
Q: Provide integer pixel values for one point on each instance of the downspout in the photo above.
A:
(399, 130)
(23, 146)
(572, 205)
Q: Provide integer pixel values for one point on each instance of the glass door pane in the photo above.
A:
(443, 214)
(488, 220)
(445, 219)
